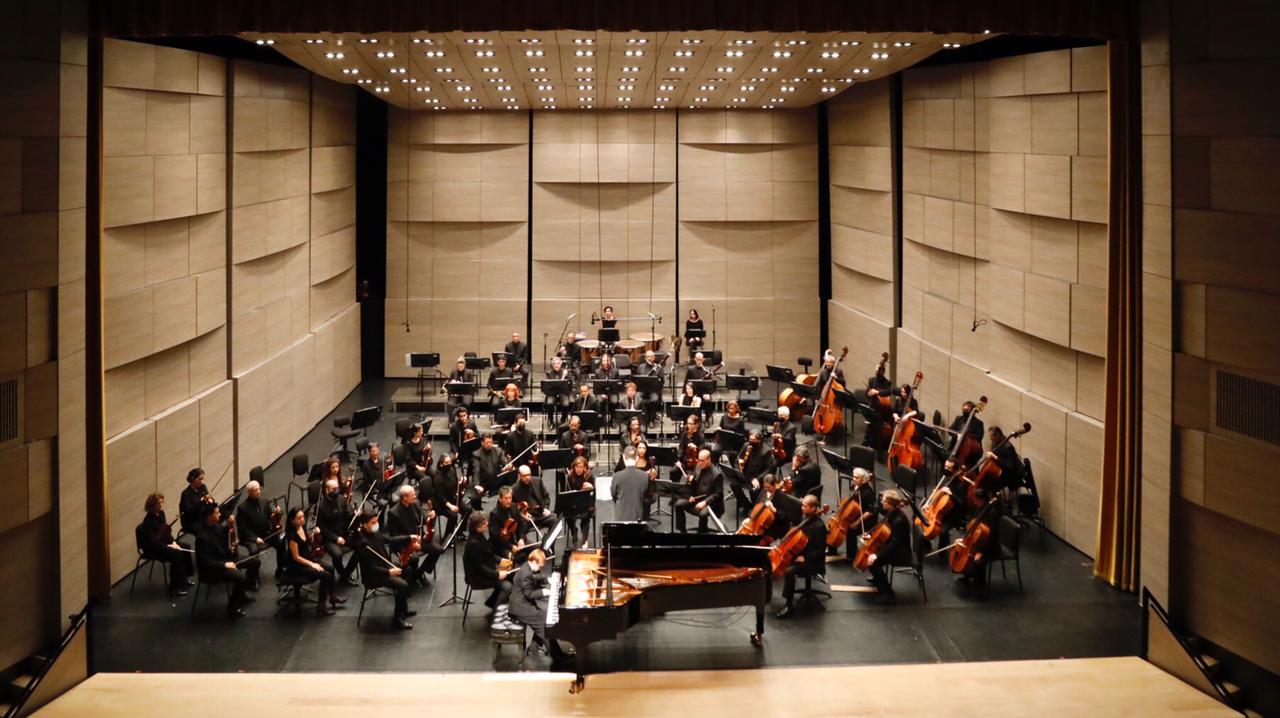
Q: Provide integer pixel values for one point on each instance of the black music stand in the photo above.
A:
(766, 417)
(622, 417)
(673, 489)
(460, 389)
(507, 415)
(556, 460)
(704, 387)
(742, 383)
(729, 440)
(804, 391)
(362, 419)
(589, 420)
(661, 457)
(576, 504)
(736, 479)
(423, 361)
(452, 541)
(680, 413)
(843, 467)
(608, 335)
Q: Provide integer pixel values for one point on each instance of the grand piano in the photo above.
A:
(638, 573)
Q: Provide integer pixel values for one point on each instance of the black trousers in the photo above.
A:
(401, 586)
(880, 575)
(501, 592)
(239, 584)
(336, 553)
(325, 577)
(179, 563)
(795, 570)
(685, 507)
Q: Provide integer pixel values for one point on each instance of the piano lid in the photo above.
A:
(620, 534)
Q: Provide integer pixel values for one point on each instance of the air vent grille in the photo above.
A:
(1249, 406)
(8, 410)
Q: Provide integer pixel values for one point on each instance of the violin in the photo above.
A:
(827, 417)
(792, 544)
(233, 536)
(511, 525)
(966, 555)
(871, 544)
(904, 449)
(690, 456)
(745, 457)
(838, 525)
(406, 553)
(761, 518)
(779, 450)
(275, 521)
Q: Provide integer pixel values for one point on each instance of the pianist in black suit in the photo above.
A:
(529, 601)
(480, 563)
(806, 474)
(812, 560)
(708, 494)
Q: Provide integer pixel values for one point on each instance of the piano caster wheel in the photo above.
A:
(576, 686)
(757, 640)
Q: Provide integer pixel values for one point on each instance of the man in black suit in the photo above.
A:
(480, 563)
(787, 508)
(407, 519)
(216, 564)
(896, 551)
(585, 400)
(630, 489)
(518, 441)
(529, 594)
(379, 570)
(708, 494)
(529, 490)
(806, 474)
(812, 561)
(253, 525)
(787, 430)
(519, 352)
(333, 517)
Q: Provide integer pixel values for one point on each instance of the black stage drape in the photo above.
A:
(155, 18)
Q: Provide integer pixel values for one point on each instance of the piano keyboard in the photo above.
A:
(553, 599)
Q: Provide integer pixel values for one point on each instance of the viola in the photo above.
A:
(871, 544)
(827, 417)
(838, 526)
(406, 553)
(904, 449)
(966, 555)
(793, 544)
(779, 450)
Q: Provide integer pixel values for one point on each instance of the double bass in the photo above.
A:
(827, 417)
(793, 543)
(791, 399)
(882, 405)
(904, 449)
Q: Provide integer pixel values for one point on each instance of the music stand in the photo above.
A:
(605, 387)
(780, 374)
(452, 541)
(364, 418)
(589, 420)
(507, 415)
(495, 355)
(622, 417)
(843, 467)
(729, 440)
(741, 382)
(609, 335)
(736, 478)
(766, 417)
(576, 504)
(476, 363)
(673, 489)
(648, 384)
(422, 361)
(460, 389)
(863, 457)
(704, 387)
(804, 391)
(680, 414)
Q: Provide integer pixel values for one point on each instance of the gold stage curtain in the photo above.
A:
(1118, 526)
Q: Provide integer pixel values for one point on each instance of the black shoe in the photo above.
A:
(410, 613)
(191, 581)
(787, 612)
(400, 624)
(255, 585)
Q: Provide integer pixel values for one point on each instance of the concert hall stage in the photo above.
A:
(1125, 686)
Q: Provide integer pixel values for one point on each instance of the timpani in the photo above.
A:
(630, 347)
(649, 339)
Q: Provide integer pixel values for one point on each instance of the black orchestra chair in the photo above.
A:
(810, 595)
(368, 592)
(208, 589)
(258, 474)
(342, 433)
(1027, 501)
(292, 587)
(362, 448)
(143, 560)
(621, 362)
(919, 549)
(805, 362)
(402, 429)
(1008, 549)
(863, 457)
(906, 478)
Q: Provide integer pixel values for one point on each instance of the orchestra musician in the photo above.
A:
(519, 351)
(480, 563)
(863, 485)
(607, 372)
(689, 397)
(687, 448)
(529, 603)
(632, 401)
(504, 510)
(707, 494)
(585, 400)
(518, 441)
(975, 424)
(630, 437)
(408, 518)
(501, 370)
(758, 462)
(417, 449)
(786, 428)
(503, 376)
(193, 500)
(155, 541)
(731, 420)
(575, 438)
(333, 516)
(579, 478)
(896, 551)
(379, 570)
(458, 429)
(650, 367)
(1006, 457)
(253, 523)
(787, 508)
(440, 487)
(508, 399)
(530, 491)
(552, 404)
(876, 386)
(298, 562)
(460, 374)
(630, 489)
(813, 559)
(488, 462)
(373, 473)
(216, 563)
(607, 320)
(694, 332)
(806, 473)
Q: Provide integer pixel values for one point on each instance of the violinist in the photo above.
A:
(690, 443)
(787, 507)
(155, 541)
(896, 551)
(299, 562)
(862, 484)
(707, 494)
(192, 502)
(253, 522)
(216, 562)
(633, 435)
(488, 462)
(417, 450)
(441, 489)
(506, 510)
(480, 562)
(373, 473)
(460, 374)
(575, 438)
(530, 491)
(630, 489)
(813, 560)
(458, 429)
(518, 441)
(332, 518)
(408, 518)
(379, 570)
(578, 479)
(806, 474)
(786, 428)
(757, 462)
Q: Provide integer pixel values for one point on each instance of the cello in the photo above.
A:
(966, 554)
(761, 518)
(987, 472)
(792, 544)
(871, 545)
(967, 449)
(791, 399)
(882, 405)
(838, 525)
(941, 501)
(827, 417)
(904, 449)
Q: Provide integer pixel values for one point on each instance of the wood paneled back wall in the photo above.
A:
(43, 130)
(606, 230)
(190, 379)
(1004, 211)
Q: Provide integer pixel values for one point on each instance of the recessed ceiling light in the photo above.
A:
(463, 88)
(477, 41)
(788, 88)
(778, 99)
(469, 100)
(631, 53)
(829, 89)
(508, 100)
(423, 41)
(544, 88)
(334, 56)
(744, 42)
(691, 41)
(706, 87)
(699, 99)
(397, 70)
(314, 41)
(626, 87)
(902, 44)
(547, 99)
(266, 42)
(350, 70)
(368, 41)
(768, 69)
(830, 55)
(444, 69)
(679, 68)
(816, 70)
(364, 81)
(724, 69)
(624, 99)
(849, 43)
(739, 99)
(530, 41)
(537, 69)
(630, 69)
(781, 53)
(797, 42)
(684, 53)
(583, 41)
(663, 99)
(434, 53)
(733, 53)
(638, 41)
(585, 88)
(490, 69)
(879, 56)
(381, 89)
(541, 79)
(384, 54)
(534, 53)
(584, 69)
(484, 53)
(422, 88)
(581, 53)
(504, 88)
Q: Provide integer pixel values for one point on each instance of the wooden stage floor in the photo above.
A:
(1124, 686)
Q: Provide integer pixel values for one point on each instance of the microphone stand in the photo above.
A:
(713, 327)
(560, 341)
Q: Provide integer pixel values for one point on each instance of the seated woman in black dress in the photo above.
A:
(298, 562)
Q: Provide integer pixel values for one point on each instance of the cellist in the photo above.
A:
(787, 508)
(862, 485)
(813, 560)
(896, 551)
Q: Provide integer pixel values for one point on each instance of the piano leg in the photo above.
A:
(757, 638)
(579, 669)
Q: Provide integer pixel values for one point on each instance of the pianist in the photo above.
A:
(529, 604)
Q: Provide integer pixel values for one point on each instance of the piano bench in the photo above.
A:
(506, 631)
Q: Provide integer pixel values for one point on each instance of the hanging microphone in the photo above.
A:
(571, 316)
